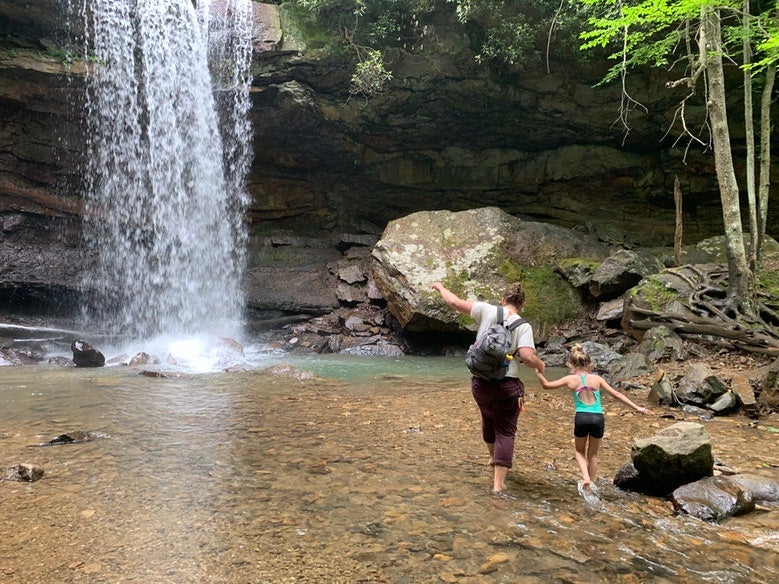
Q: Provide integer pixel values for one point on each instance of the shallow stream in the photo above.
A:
(372, 472)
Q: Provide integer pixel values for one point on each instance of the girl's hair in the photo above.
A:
(515, 295)
(579, 358)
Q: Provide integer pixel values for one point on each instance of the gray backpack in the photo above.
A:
(488, 356)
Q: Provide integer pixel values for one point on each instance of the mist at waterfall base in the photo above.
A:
(169, 148)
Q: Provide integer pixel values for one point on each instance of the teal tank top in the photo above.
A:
(593, 408)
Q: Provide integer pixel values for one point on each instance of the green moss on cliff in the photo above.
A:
(8, 54)
(550, 300)
(307, 28)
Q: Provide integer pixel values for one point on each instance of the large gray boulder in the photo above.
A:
(678, 455)
(476, 254)
(699, 386)
(623, 270)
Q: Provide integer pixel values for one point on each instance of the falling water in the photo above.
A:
(169, 150)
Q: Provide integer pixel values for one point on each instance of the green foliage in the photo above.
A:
(63, 55)
(8, 54)
(503, 32)
(370, 76)
(656, 32)
(515, 32)
(766, 35)
(376, 23)
(366, 28)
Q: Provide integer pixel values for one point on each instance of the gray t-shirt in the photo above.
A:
(486, 315)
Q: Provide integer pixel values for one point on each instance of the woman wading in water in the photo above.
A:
(499, 400)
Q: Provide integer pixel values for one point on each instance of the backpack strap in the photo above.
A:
(515, 323)
(512, 325)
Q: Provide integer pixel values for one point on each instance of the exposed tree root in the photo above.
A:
(701, 307)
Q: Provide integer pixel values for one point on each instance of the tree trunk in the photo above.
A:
(741, 280)
(749, 127)
(765, 156)
(765, 147)
(679, 222)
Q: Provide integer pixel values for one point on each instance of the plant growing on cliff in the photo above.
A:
(370, 75)
(367, 29)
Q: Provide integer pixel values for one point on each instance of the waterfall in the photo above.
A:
(169, 149)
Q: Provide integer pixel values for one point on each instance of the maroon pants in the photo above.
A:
(499, 405)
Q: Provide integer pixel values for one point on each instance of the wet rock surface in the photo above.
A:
(85, 355)
(715, 498)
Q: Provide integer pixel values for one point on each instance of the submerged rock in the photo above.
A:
(71, 438)
(22, 472)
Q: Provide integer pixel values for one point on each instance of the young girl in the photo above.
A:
(588, 421)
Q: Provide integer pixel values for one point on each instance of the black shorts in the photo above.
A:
(588, 424)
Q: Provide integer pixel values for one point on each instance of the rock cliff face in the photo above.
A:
(449, 134)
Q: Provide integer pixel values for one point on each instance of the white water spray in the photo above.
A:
(167, 166)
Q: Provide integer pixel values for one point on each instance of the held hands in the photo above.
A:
(540, 376)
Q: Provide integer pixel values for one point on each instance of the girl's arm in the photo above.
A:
(621, 397)
(546, 384)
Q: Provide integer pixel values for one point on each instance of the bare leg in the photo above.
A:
(580, 444)
(499, 477)
(491, 448)
(592, 457)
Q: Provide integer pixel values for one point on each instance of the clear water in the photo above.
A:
(374, 473)
(167, 165)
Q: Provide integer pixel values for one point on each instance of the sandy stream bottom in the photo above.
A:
(248, 478)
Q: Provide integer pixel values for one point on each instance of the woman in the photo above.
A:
(499, 400)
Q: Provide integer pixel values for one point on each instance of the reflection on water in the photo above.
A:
(377, 476)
